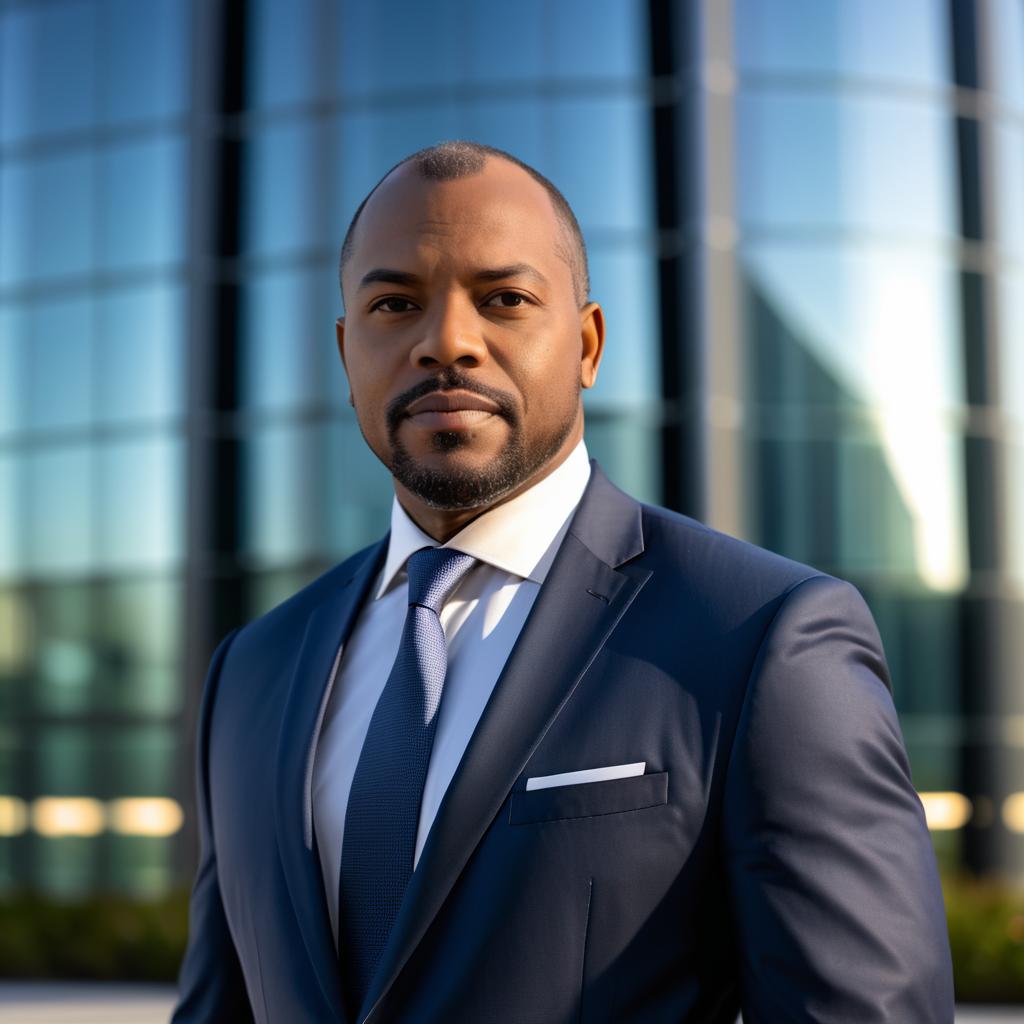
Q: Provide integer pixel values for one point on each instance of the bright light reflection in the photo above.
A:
(945, 811)
(1013, 812)
(146, 816)
(13, 816)
(68, 816)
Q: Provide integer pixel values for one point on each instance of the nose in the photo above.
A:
(451, 336)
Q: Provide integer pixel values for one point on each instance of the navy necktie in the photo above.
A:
(384, 803)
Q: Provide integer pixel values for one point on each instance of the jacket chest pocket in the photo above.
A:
(588, 799)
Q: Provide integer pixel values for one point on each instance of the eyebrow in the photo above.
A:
(386, 275)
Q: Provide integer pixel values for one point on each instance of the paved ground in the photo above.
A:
(70, 1003)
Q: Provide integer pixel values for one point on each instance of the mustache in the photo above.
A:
(451, 379)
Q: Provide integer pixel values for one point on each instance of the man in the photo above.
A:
(666, 780)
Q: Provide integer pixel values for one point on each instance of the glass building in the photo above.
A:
(805, 222)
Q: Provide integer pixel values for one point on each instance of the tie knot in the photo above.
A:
(434, 573)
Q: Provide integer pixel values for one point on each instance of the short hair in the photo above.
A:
(459, 158)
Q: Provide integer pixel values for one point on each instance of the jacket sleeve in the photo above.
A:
(210, 983)
(834, 888)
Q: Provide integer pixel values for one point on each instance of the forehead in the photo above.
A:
(499, 214)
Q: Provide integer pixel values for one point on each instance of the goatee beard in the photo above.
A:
(453, 488)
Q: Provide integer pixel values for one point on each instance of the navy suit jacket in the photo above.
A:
(774, 856)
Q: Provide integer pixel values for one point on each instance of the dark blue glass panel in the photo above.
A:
(143, 204)
(401, 46)
(599, 157)
(284, 42)
(140, 354)
(140, 503)
(48, 69)
(1011, 349)
(597, 39)
(47, 218)
(280, 338)
(55, 360)
(807, 161)
(146, 59)
(282, 190)
(905, 41)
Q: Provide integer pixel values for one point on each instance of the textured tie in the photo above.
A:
(384, 803)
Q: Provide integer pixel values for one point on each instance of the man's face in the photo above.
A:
(464, 346)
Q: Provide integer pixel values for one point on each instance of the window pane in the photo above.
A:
(281, 210)
(903, 41)
(829, 325)
(56, 359)
(65, 662)
(624, 281)
(12, 332)
(358, 490)
(613, 191)
(47, 69)
(381, 49)
(809, 161)
(143, 204)
(284, 45)
(145, 59)
(139, 644)
(1009, 200)
(47, 218)
(58, 493)
(141, 503)
(140, 354)
(280, 340)
(1011, 348)
(596, 39)
(141, 761)
(1006, 22)
(281, 466)
(10, 520)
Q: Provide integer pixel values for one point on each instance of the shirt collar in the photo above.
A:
(516, 536)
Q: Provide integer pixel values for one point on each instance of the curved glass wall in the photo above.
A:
(848, 212)
(93, 203)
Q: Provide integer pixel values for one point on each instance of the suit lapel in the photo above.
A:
(579, 605)
(316, 666)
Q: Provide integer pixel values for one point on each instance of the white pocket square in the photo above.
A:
(613, 771)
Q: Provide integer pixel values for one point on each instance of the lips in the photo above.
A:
(451, 401)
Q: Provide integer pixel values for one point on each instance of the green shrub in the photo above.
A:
(103, 938)
(117, 938)
(986, 936)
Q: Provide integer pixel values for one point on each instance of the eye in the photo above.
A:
(522, 299)
(390, 301)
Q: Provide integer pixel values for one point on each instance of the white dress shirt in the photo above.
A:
(514, 544)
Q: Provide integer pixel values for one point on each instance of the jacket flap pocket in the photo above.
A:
(588, 798)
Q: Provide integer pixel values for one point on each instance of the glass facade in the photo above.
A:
(836, 185)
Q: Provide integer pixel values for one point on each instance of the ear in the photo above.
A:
(592, 342)
(339, 333)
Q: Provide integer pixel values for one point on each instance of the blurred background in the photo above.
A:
(805, 221)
